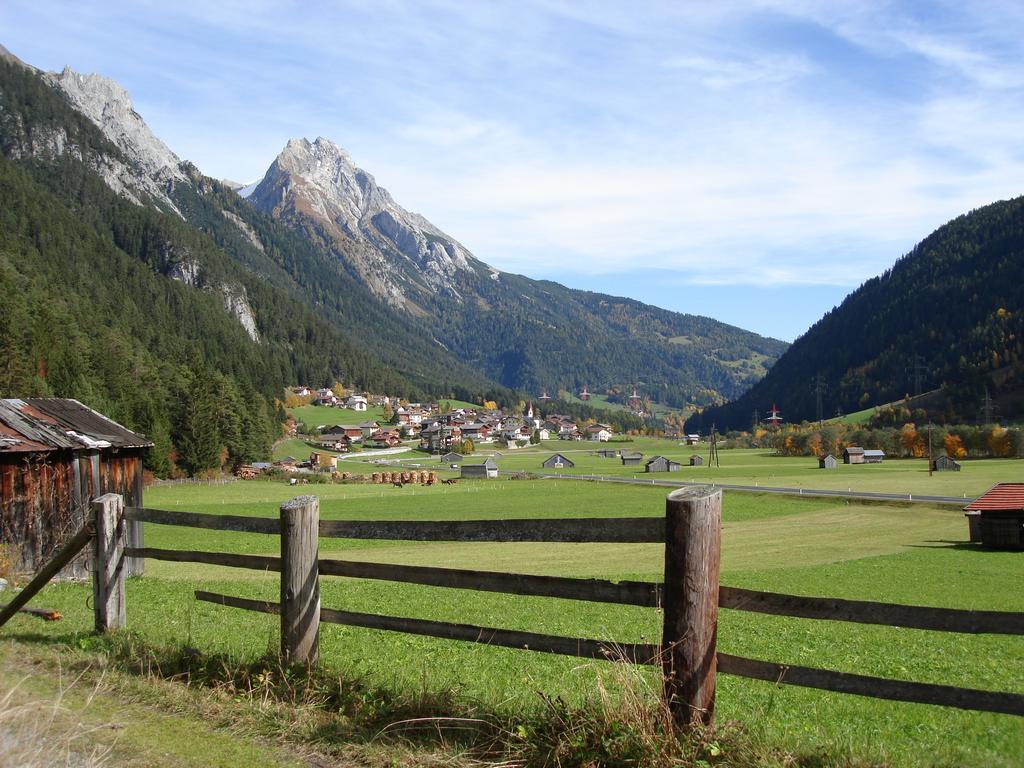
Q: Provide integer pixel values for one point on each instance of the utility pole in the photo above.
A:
(756, 421)
(818, 388)
(931, 458)
(917, 370)
(713, 452)
(987, 408)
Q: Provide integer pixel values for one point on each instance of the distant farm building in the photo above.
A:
(55, 456)
(874, 457)
(696, 461)
(489, 469)
(996, 518)
(828, 461)
(558, 461)
(631, 458)
(945, 464)
(608, 453)
(853, 455)
(692, 439)
(451, 457)
(661, 464)
(356, 403)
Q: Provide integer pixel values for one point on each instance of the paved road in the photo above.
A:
(924, 499)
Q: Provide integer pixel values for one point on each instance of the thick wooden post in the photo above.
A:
(109, 562)
(300, 580)
(692, 550)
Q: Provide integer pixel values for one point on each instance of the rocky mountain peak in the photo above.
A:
(110, 107)
(406, 254)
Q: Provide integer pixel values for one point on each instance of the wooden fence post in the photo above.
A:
(108, 599)
(692, 550)
(300, 581)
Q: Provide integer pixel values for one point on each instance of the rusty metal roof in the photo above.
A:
(53, 423)
(1000, 497)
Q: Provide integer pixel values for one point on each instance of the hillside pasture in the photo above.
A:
(893, 552)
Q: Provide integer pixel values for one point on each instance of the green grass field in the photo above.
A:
(322, 416)
(760, 466)
(890, 552)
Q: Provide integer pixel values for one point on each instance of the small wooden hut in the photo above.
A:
(696, 461)
(661, 464)
(56, 455)
(996, 518)
(853, 455)
(489, 469)
(557, 461)
(631, 458)
(828, 461)
(945, 464)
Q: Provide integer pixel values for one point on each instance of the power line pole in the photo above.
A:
(713, 452)
(818, 388)
(987, 408)
(917, 370)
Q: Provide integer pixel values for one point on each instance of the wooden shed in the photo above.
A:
(661, 464)
(853, 455)
(996, 518)
(55, 456)
(696, 461)
(557, 461)
(608, 453)
(828, 461)
(945, 464)
(874, 457)
(631, 458)
(488, 469)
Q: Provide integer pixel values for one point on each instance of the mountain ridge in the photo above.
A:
(945, 316)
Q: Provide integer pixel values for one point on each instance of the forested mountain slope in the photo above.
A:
(948, 315)
(135, 312)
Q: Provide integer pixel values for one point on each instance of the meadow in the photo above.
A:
(904, 553)
(748, 467)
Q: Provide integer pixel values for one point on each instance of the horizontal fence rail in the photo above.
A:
(865, 612)
(873, 687)
(639, 593)
(634, 653)
(592, 530)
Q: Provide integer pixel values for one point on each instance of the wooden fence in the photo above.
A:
(690, 595)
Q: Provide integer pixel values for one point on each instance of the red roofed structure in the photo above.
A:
(996, 518)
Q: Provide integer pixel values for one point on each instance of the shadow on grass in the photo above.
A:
(967, 546)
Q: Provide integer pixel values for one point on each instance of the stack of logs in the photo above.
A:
(424, 478)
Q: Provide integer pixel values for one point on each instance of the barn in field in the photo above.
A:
(828, 461)
(661, 464)
(489, 469)
(696, 461)
(945, 464)
(55, 456)
(558, 461)
(996, 518)
(874, 457)
(853, 455)
(631, 458)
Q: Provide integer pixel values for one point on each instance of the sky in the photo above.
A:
(751, 161)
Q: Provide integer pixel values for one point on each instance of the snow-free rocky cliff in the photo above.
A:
(147, 173)
(396, 252)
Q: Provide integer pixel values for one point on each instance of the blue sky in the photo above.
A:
(753, 161)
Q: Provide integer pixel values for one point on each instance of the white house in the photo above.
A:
(356, 403)
(600, 432)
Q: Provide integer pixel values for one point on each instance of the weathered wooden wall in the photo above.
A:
(44, 498)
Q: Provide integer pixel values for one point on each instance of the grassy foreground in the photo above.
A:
(897, 553)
